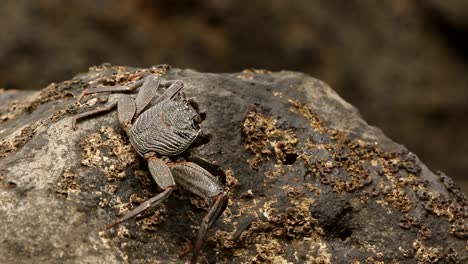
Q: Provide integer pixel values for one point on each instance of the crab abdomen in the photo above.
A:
(167, 128)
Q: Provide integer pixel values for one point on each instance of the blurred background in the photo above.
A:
(402, 63)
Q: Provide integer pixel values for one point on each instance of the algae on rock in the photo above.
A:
(309, 180)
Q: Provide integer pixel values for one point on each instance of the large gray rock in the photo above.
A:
(309, 180)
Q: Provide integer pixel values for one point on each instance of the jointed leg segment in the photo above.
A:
(164, 172)
(163, 177)
(127, 107)
(220, 204)
(91, 113)
(195, 179)
(115, 88)
(153, 201)
(202, 183)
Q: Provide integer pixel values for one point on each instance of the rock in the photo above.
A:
(309, 181)
(421, 74)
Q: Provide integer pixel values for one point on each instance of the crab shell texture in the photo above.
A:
(168, 128)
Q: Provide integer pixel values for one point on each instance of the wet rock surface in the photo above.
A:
(309, 181)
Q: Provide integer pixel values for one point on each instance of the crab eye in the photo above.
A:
(196, 120)
(195, 125)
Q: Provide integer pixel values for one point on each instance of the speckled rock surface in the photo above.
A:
(309, 181)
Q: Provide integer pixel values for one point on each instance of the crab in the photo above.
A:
(159, 129)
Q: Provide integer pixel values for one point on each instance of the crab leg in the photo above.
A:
(206, 164)
(153, 201)
(91, 113)
(163, 177)
(174, 88)
(220, 204)
(115, 88)
(146, 93)
(127, 108)
(202, 183)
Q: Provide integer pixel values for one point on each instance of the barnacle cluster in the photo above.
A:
(342, 163)
(50, 93)
(18, 139)
(108, 75)
(425, 254)
(108, 151)
(67, 184)
(53, 92)
(250, 74)
(157, 217)
(270, 251)
(265, 139)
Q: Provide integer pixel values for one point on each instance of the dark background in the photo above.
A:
(403, 63)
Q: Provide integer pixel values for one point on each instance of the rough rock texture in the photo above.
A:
(309, 180)
(388, 58)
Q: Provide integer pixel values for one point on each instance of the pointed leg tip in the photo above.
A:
(112, 225)
(73, 126)
(81, 96)
(186, 251)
